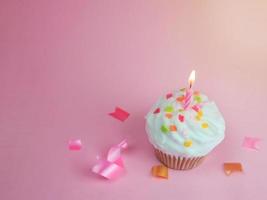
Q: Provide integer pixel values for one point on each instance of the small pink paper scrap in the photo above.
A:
(120, 114)
(251, 143)
(75, 145)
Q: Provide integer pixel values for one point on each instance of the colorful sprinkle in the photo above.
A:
(168, 115)
(169, 109)
(183, 89)
(169, 95)
(200, 113)
(173, 128)
(197, 93)
(157, 111)
(180, 99)
(205, 125)
(197, 99)
(198, 118)
(181, 110)
(188, 143)
(164, 129)
(196, 108)
(181, 118)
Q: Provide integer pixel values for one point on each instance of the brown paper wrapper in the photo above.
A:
(178, 163)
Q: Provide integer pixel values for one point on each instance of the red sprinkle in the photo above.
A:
(157, 111)
(168, 95)
(196, 108)
(181, 118)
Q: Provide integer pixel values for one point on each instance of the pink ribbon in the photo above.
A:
(112, 166)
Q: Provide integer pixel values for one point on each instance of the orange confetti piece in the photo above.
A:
(173, 128)
(160, 171)
(180, 99)
(168, 115)
(232, 167)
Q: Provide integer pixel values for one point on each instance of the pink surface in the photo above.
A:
(64, 65)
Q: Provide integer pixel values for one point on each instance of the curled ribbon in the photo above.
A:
(112, 166)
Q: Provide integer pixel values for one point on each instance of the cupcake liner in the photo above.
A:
(178, 163)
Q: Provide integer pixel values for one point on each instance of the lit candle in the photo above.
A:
(189, 91)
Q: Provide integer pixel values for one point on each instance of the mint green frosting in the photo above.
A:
(194, 136)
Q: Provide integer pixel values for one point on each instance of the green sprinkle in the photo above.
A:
(164, 129)
(197, 99)
(181, 110)
(169, 109)
(183, 89)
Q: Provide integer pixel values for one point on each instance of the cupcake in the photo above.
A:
(181, 137)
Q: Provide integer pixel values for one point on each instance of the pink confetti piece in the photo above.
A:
(75, 145)
(120, 114)
(111, 167)
(169, 95)
(251, 143)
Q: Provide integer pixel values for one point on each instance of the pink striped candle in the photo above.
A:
(189, 91)
(188, 98)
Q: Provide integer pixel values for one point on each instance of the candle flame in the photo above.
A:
(192, 78)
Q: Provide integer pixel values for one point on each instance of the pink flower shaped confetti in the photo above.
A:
(251, 143)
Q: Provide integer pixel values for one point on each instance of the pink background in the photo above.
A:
(65, 64)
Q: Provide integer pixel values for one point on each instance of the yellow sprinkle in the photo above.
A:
(200, 113)
(198, 118)
(188, 143)
(205, 125)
